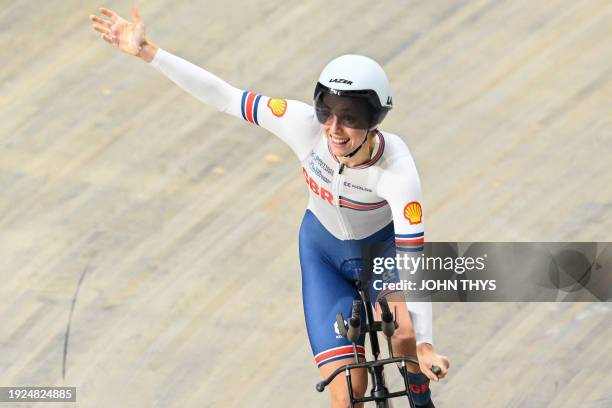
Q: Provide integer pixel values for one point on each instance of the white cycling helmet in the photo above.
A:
(360, 77)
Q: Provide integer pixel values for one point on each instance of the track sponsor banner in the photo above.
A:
(494, 271)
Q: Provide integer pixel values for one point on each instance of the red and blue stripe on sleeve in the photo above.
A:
(248, 106)
(410, 242)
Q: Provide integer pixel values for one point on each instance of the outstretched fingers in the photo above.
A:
(117, 31)
(136, 14)
(109, 13)
(101, 30)
(100, 21)
(103, 27)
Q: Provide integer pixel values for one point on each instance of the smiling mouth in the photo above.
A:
(339, 140)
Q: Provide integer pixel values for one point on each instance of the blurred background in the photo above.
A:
(148, 244)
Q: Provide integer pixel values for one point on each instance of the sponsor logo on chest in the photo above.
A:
(357, 187)
(322, 192)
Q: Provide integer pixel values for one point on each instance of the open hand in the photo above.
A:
(125, 35)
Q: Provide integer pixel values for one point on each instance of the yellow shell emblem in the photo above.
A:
(277, 106)
(413, 212)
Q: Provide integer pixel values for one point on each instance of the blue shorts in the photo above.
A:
(329, 268)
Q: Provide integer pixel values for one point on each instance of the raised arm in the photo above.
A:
(292, 121)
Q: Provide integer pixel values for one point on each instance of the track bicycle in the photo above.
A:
(352, 330)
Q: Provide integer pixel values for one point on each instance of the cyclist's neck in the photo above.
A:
(363, 155)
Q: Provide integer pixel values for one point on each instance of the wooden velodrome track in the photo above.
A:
(166, 233)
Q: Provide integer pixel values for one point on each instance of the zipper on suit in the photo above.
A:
(336, 191)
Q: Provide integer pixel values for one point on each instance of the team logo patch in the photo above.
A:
(277, 106)
(413, 212)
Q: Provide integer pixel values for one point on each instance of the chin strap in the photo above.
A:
(365, 139)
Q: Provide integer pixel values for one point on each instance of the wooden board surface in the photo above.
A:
(170, 231)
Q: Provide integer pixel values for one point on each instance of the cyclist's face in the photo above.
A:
(344, 121)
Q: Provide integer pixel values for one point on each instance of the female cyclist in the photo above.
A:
(363, 185)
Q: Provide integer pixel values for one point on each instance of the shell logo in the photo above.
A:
(413, 212)
(277, 106)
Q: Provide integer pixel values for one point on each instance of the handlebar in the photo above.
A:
(322, 384)
(320, 387)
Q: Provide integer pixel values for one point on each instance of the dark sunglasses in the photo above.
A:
(353, 113)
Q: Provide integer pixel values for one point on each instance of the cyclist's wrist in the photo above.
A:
(424, 348)
(147, 51)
